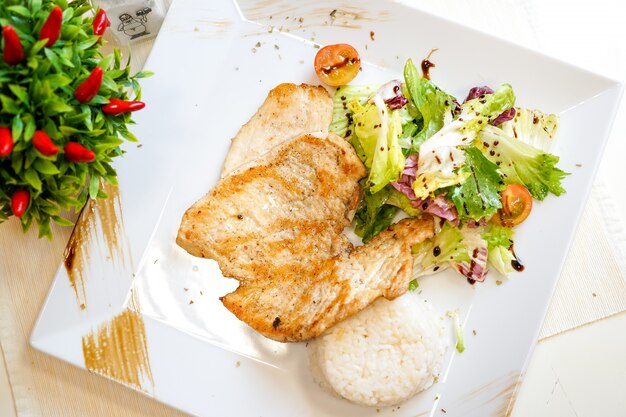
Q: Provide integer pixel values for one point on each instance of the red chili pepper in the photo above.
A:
(19, 202)
(6, 142)
(51, 29)
(43, 143)
(89, 88)
(75, 152)
(117, 106)
(100, 23)
(13, 51)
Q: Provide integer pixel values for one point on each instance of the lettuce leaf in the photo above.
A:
(474, 269)
(501, 259)
(396, 198)
(520, 163)
(498, 236)
(447, 246)
(479, 195)
(458, 330)
(435, 106)
(489, 106)
(374, 214)
(532, 127)
(499, 240)
(377, 130)
(344, 101)
(441, 158)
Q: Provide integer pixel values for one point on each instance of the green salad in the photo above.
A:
(475, 166)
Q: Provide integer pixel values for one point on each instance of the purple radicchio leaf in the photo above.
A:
(404, 188)
(476, 269)
(473, 224)
(505, 116)
(391, 93)
(405, 182)
(457, 107)
(438, 206)
(397, 102)
(477, 92)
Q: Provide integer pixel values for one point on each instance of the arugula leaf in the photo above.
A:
(479, 195)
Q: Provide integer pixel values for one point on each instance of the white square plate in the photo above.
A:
(210, 78)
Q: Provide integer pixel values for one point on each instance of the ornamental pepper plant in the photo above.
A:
(65, 108)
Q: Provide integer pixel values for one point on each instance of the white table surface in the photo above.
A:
(581, 372)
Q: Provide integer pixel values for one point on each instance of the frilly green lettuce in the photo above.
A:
(520, 163)
(532, 127)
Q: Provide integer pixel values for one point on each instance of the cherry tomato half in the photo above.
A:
(337, 64)
(516, 205)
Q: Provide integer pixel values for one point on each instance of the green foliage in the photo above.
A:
(38, 94)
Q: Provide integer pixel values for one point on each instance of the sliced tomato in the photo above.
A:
(337, 64)
(516, 206)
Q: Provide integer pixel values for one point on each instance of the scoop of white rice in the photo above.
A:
(383, 355)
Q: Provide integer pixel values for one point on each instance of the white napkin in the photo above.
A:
(593, 281)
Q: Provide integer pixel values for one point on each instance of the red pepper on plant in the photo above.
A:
(75, 152)
(89, 88)
(100, 23)
(51, 29)
(43, 143)
(6, 142)
(19, 202)
(13, 52)
(117, 106)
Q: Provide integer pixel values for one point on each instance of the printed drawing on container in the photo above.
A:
(135, 27)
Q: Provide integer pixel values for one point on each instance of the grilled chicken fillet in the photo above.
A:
(289, 110)
(290, 307)
(283, 214)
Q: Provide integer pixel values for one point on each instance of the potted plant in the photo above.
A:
(64, 109)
